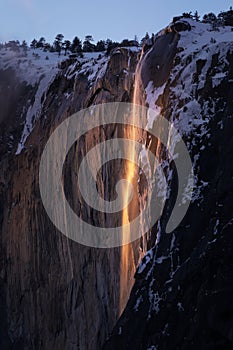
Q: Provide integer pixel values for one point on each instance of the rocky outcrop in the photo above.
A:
(180, 26)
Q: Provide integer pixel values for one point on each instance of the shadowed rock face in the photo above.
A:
(158, 61)
(180, 26)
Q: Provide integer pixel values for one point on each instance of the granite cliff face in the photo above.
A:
(57, 294)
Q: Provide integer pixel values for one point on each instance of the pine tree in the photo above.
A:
(33, 44)
(108, 42)
(209, 18)
(196, 16)
(153, 38)
(110, 45)
(136, 40)
(41, 42)
(58, 43)
(187, 14)
(87, 44)
(66, 46)
(76, 46)
(100, 46)
(226, 18)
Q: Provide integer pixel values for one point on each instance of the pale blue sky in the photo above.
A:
(26, 19)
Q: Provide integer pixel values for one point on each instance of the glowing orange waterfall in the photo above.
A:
(128, 263)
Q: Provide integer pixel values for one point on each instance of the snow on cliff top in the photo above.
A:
(40, 68)
(36, 63)
(32, 66)
(200, 43)
(202, 34)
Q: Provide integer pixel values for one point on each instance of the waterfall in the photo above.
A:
(132, 253)
(129, 257)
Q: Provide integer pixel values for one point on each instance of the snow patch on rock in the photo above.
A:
(152, 95)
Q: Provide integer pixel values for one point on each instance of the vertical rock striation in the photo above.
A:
(55, 293)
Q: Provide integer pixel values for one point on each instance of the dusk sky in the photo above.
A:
(28, 19)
